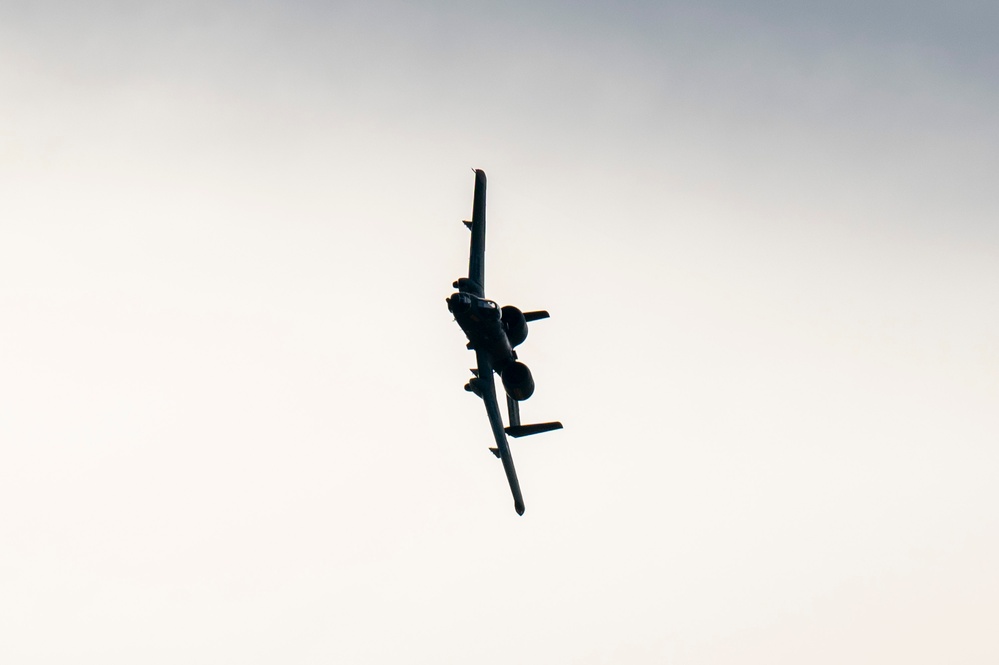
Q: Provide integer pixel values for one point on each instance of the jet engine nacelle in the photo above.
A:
(517, 381)
(515, 324)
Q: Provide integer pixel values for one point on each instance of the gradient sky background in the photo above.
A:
(232, 427)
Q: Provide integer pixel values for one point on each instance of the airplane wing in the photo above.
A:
(486, 386)
(477, 251)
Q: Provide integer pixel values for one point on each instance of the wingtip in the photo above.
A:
(519, 506)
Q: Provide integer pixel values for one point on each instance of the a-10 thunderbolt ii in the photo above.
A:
(492, 333)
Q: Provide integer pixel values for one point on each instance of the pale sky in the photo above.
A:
(232, 424)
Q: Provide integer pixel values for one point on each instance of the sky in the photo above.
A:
(233, 426)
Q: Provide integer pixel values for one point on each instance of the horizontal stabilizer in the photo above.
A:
(527, 430)
(495, 451)
(534, 316)
(467, 223)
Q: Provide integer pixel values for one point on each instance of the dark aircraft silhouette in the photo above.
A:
(492, 333)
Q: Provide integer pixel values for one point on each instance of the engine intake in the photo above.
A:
(517, 381)
(515, 324)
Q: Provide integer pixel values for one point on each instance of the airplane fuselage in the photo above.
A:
(481, 321)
